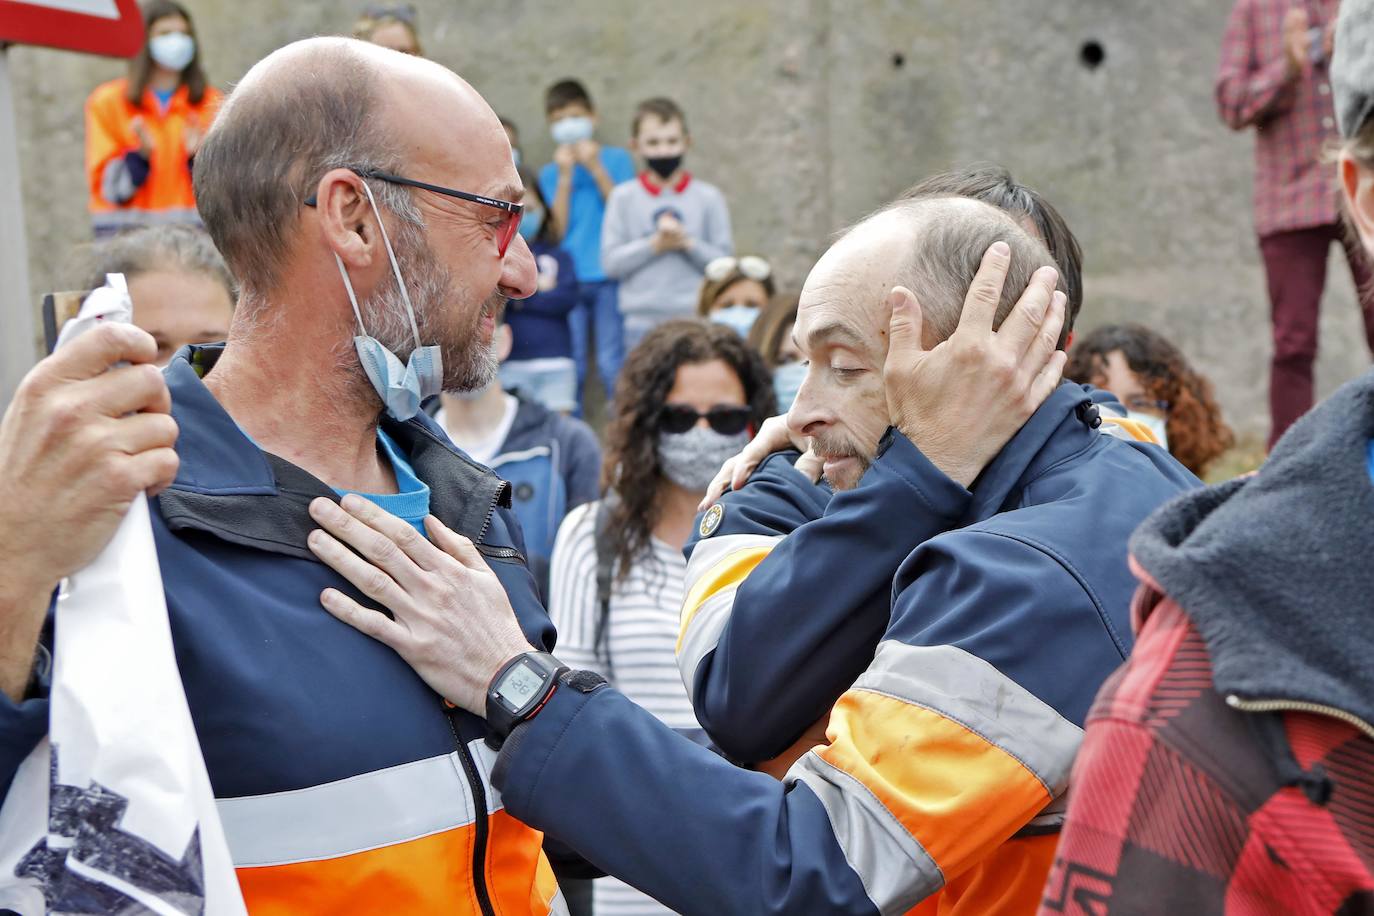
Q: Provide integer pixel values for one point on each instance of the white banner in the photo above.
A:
(113, 812)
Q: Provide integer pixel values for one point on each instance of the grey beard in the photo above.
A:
(469, 364)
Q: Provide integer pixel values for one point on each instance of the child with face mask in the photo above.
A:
(736, 291)
(576, 184)
(691, 396)
(143, 129)
(662, 230)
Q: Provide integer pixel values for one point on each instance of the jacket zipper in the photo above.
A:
(491, 511)
(1243, 705)
(479, 792)
(479, 823)
(500, 553)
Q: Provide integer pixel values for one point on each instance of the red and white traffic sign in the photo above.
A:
(110, 27)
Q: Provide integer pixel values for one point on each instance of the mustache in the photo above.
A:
(834, 447)
(495, 306)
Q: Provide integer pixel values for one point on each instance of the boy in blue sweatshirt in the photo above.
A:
(576, 184)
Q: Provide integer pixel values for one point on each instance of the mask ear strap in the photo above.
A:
(353, 299)
(395, 268)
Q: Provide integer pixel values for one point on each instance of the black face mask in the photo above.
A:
(663, 166)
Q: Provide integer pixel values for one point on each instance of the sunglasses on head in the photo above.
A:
(751, 266)
(403, 12)
(724, 419)
(505, 230)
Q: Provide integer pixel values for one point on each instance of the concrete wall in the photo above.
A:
(810, 113)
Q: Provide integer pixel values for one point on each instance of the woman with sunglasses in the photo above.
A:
(735, 291)
(689, 397)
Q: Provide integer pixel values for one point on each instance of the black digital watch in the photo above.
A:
(518, 691)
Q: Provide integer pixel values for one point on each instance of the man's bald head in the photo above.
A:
(312, 106)
(937, 244)
(931, 245)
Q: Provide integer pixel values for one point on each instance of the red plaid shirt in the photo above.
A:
(1293, 117)
(1181, 805)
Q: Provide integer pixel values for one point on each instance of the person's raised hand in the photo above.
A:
(192, 135)
(773, 436)
(587, 151)
(564, 157)
(77, 445)
(668, 237)
(1295, 40)
(452, 620)
(962, 401)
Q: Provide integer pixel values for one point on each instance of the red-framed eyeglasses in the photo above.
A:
(505, 230)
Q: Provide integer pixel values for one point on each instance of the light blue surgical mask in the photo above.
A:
(173, 50)
(739, 318)
(402, 389)
(787, 381)
(1156, 425)
(531, 221)
(571, 130)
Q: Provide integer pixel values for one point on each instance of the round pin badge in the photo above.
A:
(711, 520)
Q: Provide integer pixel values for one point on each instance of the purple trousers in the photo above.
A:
(1295, 264)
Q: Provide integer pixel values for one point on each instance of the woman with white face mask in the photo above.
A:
(1152, 380)
(143, 130)
(690, 396)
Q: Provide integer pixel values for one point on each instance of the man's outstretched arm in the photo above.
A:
(934, 759)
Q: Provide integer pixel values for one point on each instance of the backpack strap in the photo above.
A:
(605, 572)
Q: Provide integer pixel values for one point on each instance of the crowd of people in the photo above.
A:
(891, 592)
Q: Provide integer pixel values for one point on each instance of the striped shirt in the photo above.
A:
(637, 656)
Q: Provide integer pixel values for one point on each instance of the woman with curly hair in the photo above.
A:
(690, 396)
(1150, 377)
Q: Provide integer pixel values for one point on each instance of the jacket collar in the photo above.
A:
(1274, 570)
(180, 101)
(1062, 427)
(227, 487)
(655, 188)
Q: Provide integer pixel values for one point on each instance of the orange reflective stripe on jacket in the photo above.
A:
(398, 840)
(110, 135)
(941, 778)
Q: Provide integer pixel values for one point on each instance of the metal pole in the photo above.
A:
(18, 340)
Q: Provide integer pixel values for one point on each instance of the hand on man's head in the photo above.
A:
(962, 401)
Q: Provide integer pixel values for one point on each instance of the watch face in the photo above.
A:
(519, 686)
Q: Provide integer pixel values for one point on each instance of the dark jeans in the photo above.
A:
(597, 312)
(1295, 264)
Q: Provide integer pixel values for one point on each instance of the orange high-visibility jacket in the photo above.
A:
(165, 196)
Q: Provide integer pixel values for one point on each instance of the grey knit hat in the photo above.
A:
(1352, 65)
